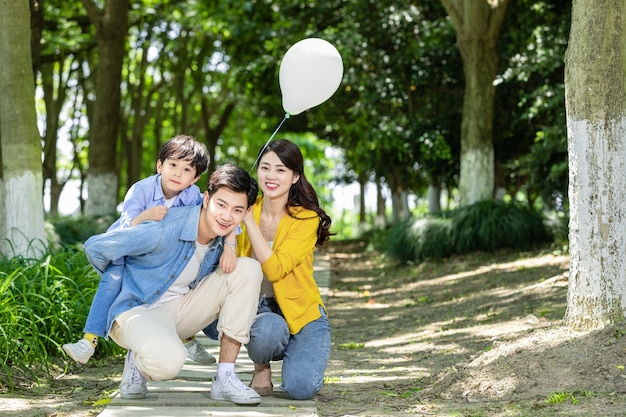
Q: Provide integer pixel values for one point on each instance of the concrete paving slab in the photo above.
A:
(214, 411)
(194, 398)
(178, 386)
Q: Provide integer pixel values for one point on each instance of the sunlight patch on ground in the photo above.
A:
(537, 340)
(413, 343)
(503, 293)
(362, 378)
(542, 261)
(358, 280)
(432, 339)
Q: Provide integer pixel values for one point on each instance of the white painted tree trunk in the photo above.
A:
(595, 89)
(477, 175)
(434, 198)
(477, 24)
(24, 233)
(102, 192)
(110, 18)
(22, 230)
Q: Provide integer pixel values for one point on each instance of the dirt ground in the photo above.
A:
(476, 335)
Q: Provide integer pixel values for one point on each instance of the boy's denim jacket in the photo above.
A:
(156, 253)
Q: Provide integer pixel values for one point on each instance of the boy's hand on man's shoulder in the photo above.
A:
(156, 213)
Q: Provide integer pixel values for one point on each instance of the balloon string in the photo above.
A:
(269, 140)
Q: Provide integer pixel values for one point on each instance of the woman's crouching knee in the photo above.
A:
(302, 388)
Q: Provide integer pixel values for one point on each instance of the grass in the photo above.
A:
(560, 397)
(488, 226)
(44, 304)
(352, 345)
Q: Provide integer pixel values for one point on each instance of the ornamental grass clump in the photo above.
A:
(488, 226)
(44, 304)
(418, 239)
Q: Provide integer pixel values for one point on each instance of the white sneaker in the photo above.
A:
(232, 389)
(80, 351)
(133, 384)
(197, 353)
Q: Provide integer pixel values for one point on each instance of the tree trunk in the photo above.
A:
(499, 181)
(54, 84)
(477, 24)
(595, 101)
(434, 194)
(381, 205)
(362, 215)
(136, 119)
(111, 25)
(22, 230)
(213, 133)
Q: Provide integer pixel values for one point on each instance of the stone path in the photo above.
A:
(189, 394)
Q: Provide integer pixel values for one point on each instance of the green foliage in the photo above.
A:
(557, 224)
(560, 397)
(531, 138)
(44, 304)
(211, 70)
(491, 224)
(420, 239)
(484, 226)
(72, 230)
(377, 238)
(342, 224)
(352, 345)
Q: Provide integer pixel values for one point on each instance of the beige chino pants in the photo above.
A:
(155, 334)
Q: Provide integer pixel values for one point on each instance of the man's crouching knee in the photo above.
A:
(163, 368)
(252, 265)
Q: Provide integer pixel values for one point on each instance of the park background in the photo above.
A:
(456, 112)
(114, 82)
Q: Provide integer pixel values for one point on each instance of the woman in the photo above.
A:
(281, 232)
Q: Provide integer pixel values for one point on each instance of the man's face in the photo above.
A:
(225, 210)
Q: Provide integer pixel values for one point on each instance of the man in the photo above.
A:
(172, 288)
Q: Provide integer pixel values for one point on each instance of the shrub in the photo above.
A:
(376, 238)
(484, 226)
(557, 224)
(77, 229)
(420, 239)
(401, 241)
(44, 304)
(492, 224)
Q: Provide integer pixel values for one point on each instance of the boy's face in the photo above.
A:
(176, 175)
(222, 212)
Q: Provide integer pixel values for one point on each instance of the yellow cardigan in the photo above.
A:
(290, 268)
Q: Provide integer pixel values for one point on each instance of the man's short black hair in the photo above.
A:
(235, 179)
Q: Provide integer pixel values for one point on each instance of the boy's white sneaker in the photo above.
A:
(80, 351)
(197, 353)
(133, 384)
(232, 389)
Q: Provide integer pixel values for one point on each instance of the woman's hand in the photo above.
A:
(249, 219)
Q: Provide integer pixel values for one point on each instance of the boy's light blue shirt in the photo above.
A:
(147, 193)
(156, 253)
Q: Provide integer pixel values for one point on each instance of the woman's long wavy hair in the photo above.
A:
(302, 193)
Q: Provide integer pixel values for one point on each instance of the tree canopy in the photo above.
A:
(211, 70)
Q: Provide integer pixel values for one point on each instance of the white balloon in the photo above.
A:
(309, 74)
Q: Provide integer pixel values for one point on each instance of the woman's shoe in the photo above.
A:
(264, 391)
